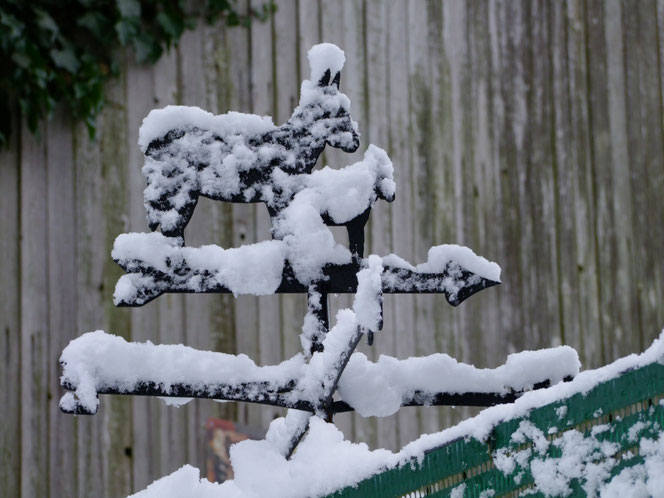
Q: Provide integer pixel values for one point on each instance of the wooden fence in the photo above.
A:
(530, 131)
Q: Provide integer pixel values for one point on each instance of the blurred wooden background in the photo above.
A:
(530, 131)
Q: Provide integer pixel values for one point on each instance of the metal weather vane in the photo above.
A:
(245, 158)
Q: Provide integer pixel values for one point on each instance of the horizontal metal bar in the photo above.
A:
(259, 392)
(263, 393)
(339, 279)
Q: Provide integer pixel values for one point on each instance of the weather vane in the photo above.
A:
(246, 158)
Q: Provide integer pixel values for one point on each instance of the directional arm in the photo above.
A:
(162, 266)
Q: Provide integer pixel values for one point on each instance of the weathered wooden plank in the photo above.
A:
(450, 99)
(223, 326)
(354, 79)
(308, 33)
(285, 46)
(543, 189)
(377, 125)
(600, 158)
(246, 323)
(509, 120)
(660, 27)
(90, 260)
(263, 92)
(564, 182)
(616, 268)
(644, 125)
(61, 296)
(419, 154)
(398, 148)
(486, 194)
(629, 150)
(355, 84)
(146, 89)
(117, 414)
(333, 30)
(500, 221)
(204, 318)
(586, 337)
(10, 318)
(34, 316)
(658, 275)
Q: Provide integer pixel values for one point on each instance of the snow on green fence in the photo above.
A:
(570, 447)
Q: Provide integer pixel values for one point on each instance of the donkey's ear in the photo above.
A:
(337, 79)
(325, 80)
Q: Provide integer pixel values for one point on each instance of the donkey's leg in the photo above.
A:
(184, 216)
(355, 228)
(170, 196)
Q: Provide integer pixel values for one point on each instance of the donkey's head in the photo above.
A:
(324, 111)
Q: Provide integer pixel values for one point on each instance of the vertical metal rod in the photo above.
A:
(317, 304)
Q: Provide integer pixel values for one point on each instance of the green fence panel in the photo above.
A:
(618, 413)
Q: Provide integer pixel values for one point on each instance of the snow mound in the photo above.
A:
(325, 56)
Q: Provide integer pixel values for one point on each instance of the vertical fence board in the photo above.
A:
(223, 325)
(600, 157)
(421, 162)
(34, 316)
(543, 186)
(380, 224)
(484, 312)
(401, 241)
(455, 204)
(116, 411)
(620, 246)
(657, 174)
(644, 111)
(143, 94)
(293, 306)
(246, 323)
(204, 318)
(61, 301)
(580, 168)
(354, 83)
(564, 187)
(263, 92)
(333, 30)
(10, 317)
(90, 261)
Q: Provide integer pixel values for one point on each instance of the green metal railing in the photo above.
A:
(469, 465)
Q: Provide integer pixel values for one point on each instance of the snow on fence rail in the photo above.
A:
(602, 433)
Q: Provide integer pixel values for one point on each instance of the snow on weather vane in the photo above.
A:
(246, 158)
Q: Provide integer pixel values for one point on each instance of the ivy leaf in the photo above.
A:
(65, 59)
(146, 48)
(21, 60)
(93, 21)
(46, 22)
(65, 50)
(129, 8)
(126, 30)
(16, 27)
(171, 24)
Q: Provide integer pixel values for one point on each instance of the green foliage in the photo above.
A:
(65, 50)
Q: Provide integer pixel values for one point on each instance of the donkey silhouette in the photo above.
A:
(240, 157)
